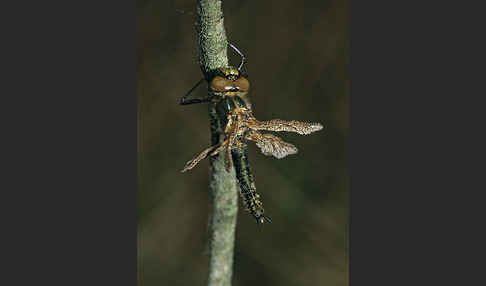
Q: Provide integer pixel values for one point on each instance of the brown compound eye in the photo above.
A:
(220, 84)
(243, 84)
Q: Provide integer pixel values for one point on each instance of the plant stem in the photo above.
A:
(212, 48)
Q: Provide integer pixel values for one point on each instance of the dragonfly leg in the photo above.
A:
(243, 58)
(185, 101)
(194, 101)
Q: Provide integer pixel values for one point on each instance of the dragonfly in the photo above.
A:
(228, 89)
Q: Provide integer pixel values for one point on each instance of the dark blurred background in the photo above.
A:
(297, 55)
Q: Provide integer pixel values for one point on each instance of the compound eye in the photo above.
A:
(220, 84)
(243, 84)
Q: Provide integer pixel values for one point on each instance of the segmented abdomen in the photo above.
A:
(248, 193)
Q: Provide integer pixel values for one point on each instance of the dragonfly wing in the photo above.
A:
(227, 159)
(271, 145)
(211, 151)
(299, 127)
(231, 132)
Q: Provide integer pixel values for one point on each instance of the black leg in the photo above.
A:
(194, 101)
(185, 101)
(239, 53)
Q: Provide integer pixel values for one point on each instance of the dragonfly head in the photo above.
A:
(229, 79)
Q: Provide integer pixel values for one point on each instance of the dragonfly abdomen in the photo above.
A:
(248, 192)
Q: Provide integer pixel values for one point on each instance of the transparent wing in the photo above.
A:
(232, 135)
(228, 160)
(271, 145)
(299, 127)
(211, 151)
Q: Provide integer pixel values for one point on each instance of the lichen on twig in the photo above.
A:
(212, 53)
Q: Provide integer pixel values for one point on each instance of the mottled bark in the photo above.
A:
(212, 53)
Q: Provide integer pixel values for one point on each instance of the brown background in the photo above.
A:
(297, 55)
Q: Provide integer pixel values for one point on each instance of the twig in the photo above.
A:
(212, 48)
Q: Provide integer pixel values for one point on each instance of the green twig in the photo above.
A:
(212, 48)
